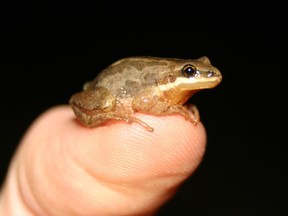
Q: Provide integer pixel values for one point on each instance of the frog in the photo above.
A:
(144, 84)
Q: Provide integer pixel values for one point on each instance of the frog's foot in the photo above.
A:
(195, 117)
(131, 119)
(192, 116)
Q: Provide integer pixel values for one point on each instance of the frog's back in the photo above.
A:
(130, 73)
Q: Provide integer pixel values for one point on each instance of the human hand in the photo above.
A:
(63, 168)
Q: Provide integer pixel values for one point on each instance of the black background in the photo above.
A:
(49, 50)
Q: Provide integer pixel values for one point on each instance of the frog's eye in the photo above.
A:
(190, 71)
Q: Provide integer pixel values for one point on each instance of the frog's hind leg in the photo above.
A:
(102, 118)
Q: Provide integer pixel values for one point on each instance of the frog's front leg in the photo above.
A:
(149, 102)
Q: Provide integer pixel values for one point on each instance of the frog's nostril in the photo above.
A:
(211, 74)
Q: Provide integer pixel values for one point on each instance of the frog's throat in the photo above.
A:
(191, 84)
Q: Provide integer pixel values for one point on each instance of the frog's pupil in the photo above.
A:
(189, 70)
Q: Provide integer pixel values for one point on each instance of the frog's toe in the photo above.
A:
(194, 113)
(130, 119)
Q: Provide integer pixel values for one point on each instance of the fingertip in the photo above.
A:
(116, 161)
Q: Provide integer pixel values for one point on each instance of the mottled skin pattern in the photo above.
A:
(150, 85)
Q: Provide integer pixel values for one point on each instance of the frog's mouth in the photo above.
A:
(201, 83)
(183, 83)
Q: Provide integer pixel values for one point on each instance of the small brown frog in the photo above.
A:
(158, 86)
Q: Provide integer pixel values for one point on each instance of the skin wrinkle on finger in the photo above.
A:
(148, 167)
(36, 175)
(20, 172)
